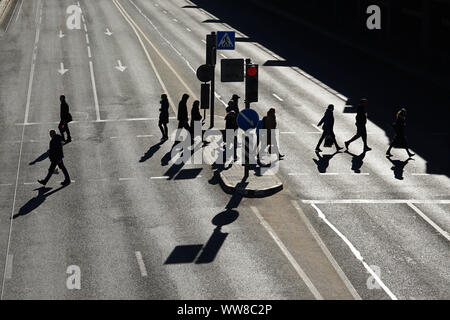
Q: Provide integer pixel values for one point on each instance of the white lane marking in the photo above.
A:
(85, 27)
(9, 266)
(188, 29)
(175, 20)
(108, 33)
(431, 222)
(315, 126)
(328, 173)
(355, 252)
(135, 28)
(114, 137)
(62, 70)
(18, 164)
(297, 174)
(374, 201)
(141, 264)
(420, 174)
(30, 183)
(12, 16)
(89, 52)
(18, 12)
(203, 41)
(288, 255)
(87, 38)
(94, 90)
(224, 56)
(277, 97)
(325, 250)
(162, 177)
(165, 12)
(126, 179)
(144, 135)
(120, 67)
(288, 132)
(61, 34)
(89, 121)
(5, 184)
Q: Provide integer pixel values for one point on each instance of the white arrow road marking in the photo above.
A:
(120, 67)
(62, 70)
(108, 32)
(61, 34)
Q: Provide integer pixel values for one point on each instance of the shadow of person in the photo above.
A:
(39, 159)
(398, 167)
(324, 161)
(35, 202)
(357, 161)
(153, 149)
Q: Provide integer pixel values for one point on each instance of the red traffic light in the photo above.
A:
(252, 71)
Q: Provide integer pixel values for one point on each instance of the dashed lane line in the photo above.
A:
(276, 96)
(141, 263)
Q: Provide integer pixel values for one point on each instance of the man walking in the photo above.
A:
(65, 117)
(182, 116)
(56, 155)
(328, 124)
(361, 120)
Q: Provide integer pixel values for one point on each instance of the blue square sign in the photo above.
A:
(225, 40)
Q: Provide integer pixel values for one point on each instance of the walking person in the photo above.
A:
(399, 140)
(235, 99)
(182, 117)
(65, 117)
(164, 117)
(230, 128)
(56, 155)
(328, 124)
(195, 116)
(361, 120)
(270, 124)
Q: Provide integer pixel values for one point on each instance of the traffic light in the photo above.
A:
(251, 83)
(211, 50)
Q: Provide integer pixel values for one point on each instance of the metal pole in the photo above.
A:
(247, 142)
(213, 82)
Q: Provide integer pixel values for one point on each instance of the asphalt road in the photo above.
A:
(137, 226)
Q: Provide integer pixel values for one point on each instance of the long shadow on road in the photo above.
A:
(350, 73)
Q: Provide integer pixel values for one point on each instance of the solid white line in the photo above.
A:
(288, 255)
(420, 174)
(355, 252)
(277, 97)
(89, 52)
(144, 135)
(126, 179)
(9, 266)
(223, 55)
(373, 201)
(162, 177)
(30, 183)
(94, 90)
(297, 174)
(288, 132)
(141, 264)
(328, 173)
(431, 222)
(327, 252)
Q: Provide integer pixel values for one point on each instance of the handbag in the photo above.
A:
(328, 141)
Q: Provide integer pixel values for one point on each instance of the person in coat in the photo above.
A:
(328, 123)
(195, 116)
(361, 120)
(182, 116)
(270, 124)
(65, 119)
(56, 155)
(230, 127)
(164, 117)
(399, 140)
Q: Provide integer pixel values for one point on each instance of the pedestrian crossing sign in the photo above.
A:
(225, 40)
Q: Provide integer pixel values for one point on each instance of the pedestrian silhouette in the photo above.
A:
(398, 167)
(270, 124)
(182, 117)
(65, 117)
(42, 157)
(230, 127)
(164, 117)
(151, 151)
(323, 161)
(195, 116)
(357, 161)
(233, 104)
(328, 123)
(361, 120)
(399, 140)
(56, 155)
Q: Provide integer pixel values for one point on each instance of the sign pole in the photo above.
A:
(247, 142)
(213, 80)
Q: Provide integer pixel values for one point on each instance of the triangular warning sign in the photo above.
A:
(225, 42)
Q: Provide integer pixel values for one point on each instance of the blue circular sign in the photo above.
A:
(247, 119)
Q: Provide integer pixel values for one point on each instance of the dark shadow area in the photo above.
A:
(153, 149)
(35, 202)
(277, 63)
(357, 161)
(323, 161)
(399, 167)
(191, 7)
(208, 252)
(240, 39)
(188, 174)
(353, 74)
(42, 157)
(212, 21)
